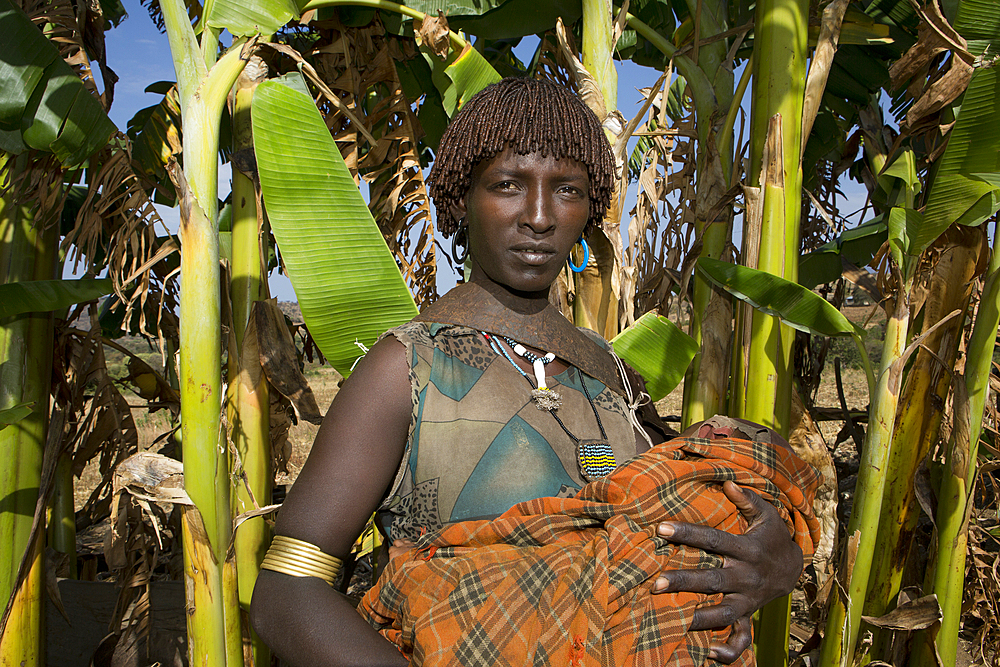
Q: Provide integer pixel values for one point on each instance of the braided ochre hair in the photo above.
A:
(527, 116)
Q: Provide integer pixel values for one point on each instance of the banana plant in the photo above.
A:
(964, 191)
(214, 632)
(339, 270)
(44, 106)
(26, 355)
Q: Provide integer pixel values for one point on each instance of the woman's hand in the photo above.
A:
(762, 564)
(400, 547)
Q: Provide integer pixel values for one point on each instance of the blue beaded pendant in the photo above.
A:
(596, 459)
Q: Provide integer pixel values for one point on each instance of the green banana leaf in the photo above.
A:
(469, 74)
(455, 7)
(903, 168)
(346, 280)
(959, 192)
(904, 223)
(795, 305)
(32, 296)
(510, 18)
(978, 20)
(632, 46)
(43, 103)
(14, 414)
(242, 19)
(857, 245)
(659, 350)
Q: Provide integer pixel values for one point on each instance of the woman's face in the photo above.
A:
(525, 212)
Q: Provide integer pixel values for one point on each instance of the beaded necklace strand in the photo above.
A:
(595, 457)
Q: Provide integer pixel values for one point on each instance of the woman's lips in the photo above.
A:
(533, 255)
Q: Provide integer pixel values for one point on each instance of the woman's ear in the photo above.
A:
(458, 209)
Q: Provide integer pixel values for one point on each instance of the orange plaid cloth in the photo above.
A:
(567, 581)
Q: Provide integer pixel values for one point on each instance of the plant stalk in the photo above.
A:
(249, 403)
(955, 497)
(596, 304)
(920, 413)
(214, 634)
(844, 615)
(26, 253)
(779, 73)
(62, 521)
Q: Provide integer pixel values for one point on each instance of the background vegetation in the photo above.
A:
(737, 234)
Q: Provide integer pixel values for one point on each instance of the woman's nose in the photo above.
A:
(539, 212)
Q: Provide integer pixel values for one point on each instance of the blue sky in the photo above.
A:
(140, 55)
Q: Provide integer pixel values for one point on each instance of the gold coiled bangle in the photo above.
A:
(301, 559)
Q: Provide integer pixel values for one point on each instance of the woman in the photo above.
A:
(490, 397)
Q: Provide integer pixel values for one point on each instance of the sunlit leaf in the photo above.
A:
(903, 168)
(347, 283)
(250, 18)
(44, 295)
(795, 305)
(973, 148)
(469, 74)
(659, 350)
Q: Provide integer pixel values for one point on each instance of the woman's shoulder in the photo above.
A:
(596, 338)
(419, 331)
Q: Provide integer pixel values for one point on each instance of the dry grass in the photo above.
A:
(324, 382)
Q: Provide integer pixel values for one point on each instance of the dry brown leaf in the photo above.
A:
(916, 614)
(152, 477)
(942, 92)
(583, 81)
(432, 31)
(280, 362)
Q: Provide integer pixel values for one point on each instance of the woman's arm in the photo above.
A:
(353, 460)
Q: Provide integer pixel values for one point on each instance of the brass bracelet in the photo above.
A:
(301, 559)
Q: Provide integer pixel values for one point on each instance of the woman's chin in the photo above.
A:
(527, 281)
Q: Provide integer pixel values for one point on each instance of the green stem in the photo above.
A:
(701, 86)
(62, 522)
(189, 64)
(844, 618)
(597, 46)
(726, 135)
(214, 635)
(26, 253)
(918, 422)
(249, 398)
(954, 499)
(457, 41)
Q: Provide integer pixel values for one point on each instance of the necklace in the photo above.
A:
(595, 457)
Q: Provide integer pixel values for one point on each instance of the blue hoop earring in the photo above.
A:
(586, 258)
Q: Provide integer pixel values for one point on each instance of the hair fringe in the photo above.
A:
(527, 116)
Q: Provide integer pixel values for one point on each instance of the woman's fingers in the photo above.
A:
(760, 565)
(400, 547)
(739, 641)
